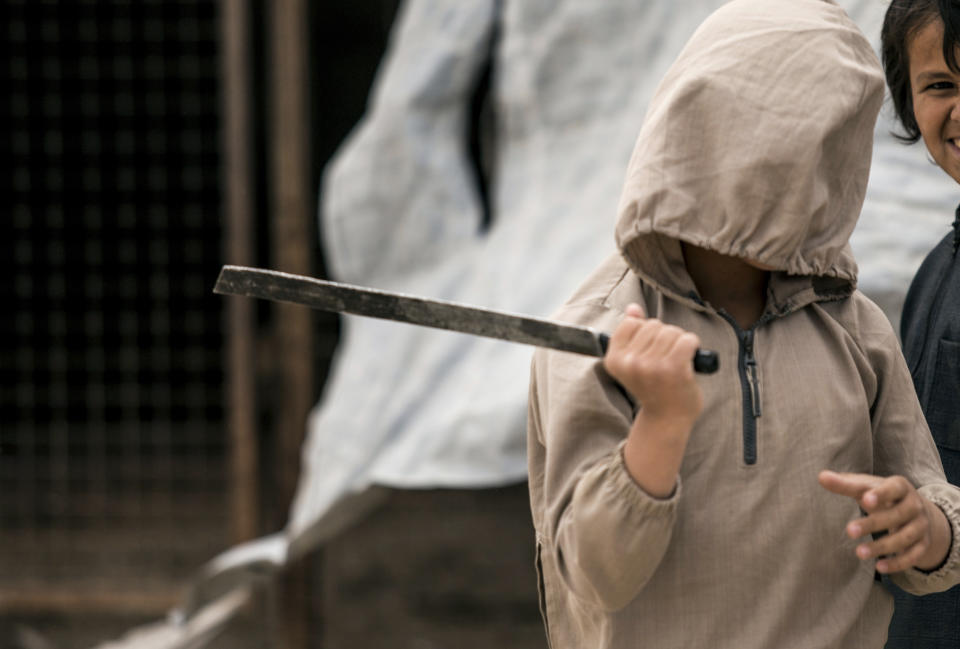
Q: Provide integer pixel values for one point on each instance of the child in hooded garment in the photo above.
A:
(755, 507)
(920, 42)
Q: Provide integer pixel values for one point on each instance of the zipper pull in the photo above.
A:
(750, 363)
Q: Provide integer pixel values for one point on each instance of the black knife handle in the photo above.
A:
(705, 361)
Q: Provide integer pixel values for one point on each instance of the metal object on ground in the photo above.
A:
(345, 298)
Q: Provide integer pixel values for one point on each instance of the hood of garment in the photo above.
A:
(737, 155)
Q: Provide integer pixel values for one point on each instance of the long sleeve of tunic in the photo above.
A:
(608, 533)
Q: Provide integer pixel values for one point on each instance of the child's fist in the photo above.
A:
(652, 361)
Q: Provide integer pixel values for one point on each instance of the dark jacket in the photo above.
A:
(930, 329)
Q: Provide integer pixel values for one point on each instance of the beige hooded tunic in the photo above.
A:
(756, 144)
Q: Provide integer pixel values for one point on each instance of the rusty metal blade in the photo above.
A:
(345, 298)
(438, 314)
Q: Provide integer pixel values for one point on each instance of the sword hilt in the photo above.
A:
(705, 361)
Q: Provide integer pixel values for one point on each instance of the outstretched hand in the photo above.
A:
(917, 531)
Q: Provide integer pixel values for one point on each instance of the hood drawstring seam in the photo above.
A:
(956, 230)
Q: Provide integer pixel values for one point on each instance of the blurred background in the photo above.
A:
(146, 424)
(130, 129)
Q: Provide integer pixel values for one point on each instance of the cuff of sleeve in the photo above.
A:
(635, 494)
(951, 509)
(919, 582)
(613, 534)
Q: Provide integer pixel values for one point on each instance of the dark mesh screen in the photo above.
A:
(112, 448)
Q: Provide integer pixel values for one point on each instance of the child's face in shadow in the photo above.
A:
(935, 89)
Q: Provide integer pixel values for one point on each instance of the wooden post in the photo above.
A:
(293, 240)
(238, 226)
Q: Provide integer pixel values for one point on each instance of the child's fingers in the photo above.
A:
(894, 508)
(887, 516)
(901, 562)
(675, 347)
(887, 492)
(853, 485)
(634, 310)
(624, 333)
(900, 550)
(642, 335)
(665, 345)
(644, 356)
(645, 338)
(630, 324)
(627, 342)
(894, 547)
(686, 345)
(871, 492)
(635, 332)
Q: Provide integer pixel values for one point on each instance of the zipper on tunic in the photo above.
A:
(751, 402)
(749, 386)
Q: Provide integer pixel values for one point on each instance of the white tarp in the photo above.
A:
(400, 209)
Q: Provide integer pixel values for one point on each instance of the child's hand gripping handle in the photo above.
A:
(705, 361)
